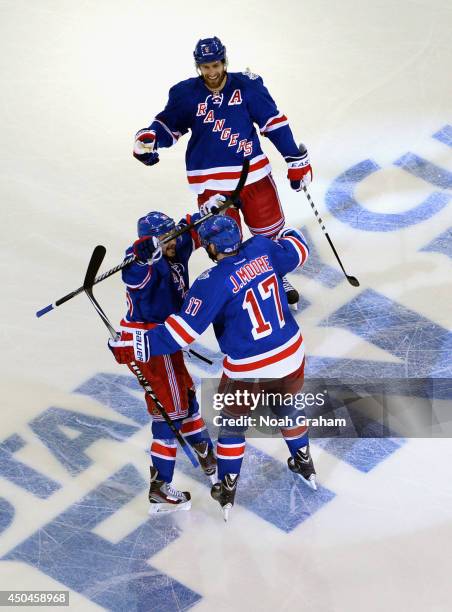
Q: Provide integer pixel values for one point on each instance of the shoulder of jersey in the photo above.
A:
(247, 79)
(257, 242)
(213, 278)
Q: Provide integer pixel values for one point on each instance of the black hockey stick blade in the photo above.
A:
(93, 267)
(353, 280)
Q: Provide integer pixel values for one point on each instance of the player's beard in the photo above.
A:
(217, 82)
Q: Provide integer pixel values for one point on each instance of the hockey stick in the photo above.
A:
(186, 228)
(93, 267)
(351, 279)
(200, 357)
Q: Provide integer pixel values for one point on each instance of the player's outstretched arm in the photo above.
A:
(166, 129)
(200, 308)
(289, 251)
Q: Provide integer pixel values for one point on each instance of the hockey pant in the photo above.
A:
(260, 206)
(170, 381)
(231, 438)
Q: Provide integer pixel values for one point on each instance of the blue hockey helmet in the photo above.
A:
(221, 231)
(155, 224)
(209, 50)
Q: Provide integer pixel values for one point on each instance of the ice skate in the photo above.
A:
(224, 493)
(291, 294)
(207, 460)
(303, 465)
(164, 498)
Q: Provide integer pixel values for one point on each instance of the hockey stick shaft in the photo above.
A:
(351, 279)
(93, 267)
(200, 357)
(186, 228)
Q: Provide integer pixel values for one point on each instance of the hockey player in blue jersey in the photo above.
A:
(221, 109)
(156, 285)
(244, 299)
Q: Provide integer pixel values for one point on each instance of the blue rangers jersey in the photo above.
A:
(155, 291)
(222, 129)
(244, 298)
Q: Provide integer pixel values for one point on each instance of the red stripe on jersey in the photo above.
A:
(179, 329)
(230, 451)
(275, 121)
(137, 324)
(301, 247)
(168, 451)
(226, 175)
(260, 363)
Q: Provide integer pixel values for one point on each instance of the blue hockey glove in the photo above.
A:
(145, 147)
(147, 249)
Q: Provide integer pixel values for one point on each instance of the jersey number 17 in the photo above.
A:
(268, 288)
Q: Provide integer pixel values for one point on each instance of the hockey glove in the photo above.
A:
(147, 249)
(292, 231)
(299, 171)
(212, 205)
(122, 350)
(145, 148)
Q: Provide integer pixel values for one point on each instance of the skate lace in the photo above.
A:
(170, 490)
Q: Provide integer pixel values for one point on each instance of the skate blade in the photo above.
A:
(226, 509)
(294, 306)
(213, 478)
(167, 508)
(312, 484)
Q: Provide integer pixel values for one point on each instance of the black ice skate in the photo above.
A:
(303, 465)
(207, 460)
(224, 493)
(163, 497)
(291, 294)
